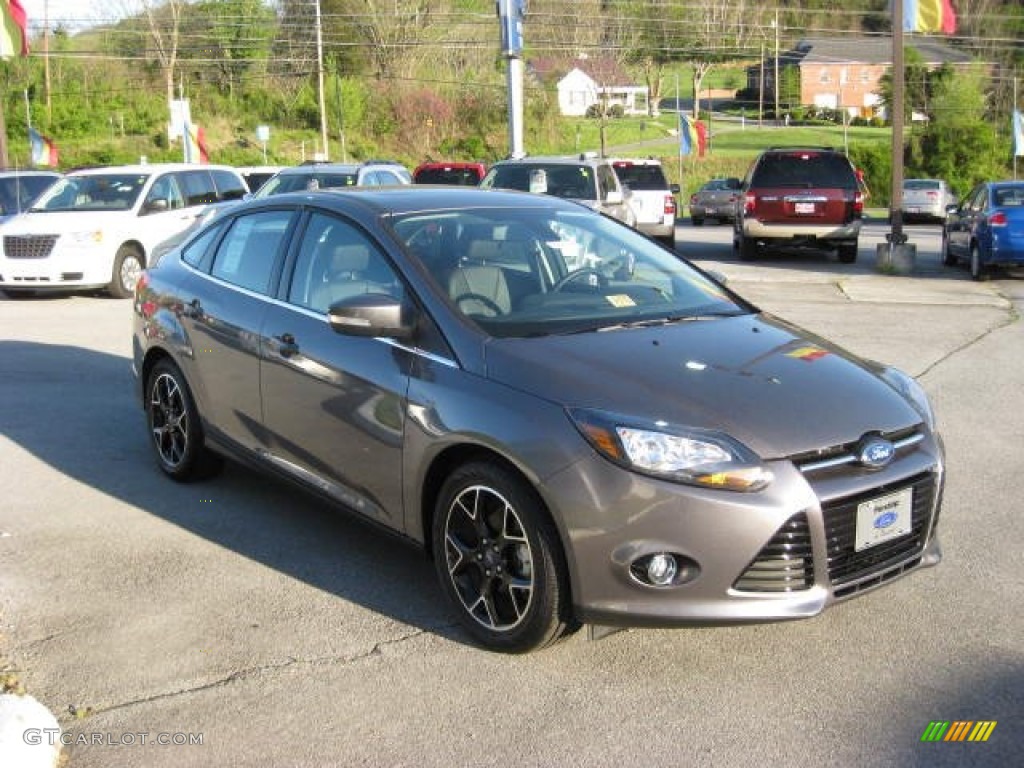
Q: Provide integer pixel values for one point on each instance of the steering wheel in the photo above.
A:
(573, 276)
(493, 310)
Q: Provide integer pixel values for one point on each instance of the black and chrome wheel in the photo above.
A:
(174, 425)
(499, 560)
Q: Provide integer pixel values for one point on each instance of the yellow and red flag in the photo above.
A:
(13, 30)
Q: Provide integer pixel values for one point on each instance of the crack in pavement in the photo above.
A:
(250, 672)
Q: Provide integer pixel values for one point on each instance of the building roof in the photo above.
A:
(603, 70)
(871, 50)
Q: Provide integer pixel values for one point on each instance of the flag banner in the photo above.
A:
(44, 151)
(929, 16)
(692, 136)
(14, 30)
(1018, 133)
(195, 144)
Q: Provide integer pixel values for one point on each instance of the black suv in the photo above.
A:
(799, 196)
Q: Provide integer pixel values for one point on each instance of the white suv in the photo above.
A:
(96, 228)
(651, 197)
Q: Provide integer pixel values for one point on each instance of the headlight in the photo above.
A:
(86, 238)
(681, 454)
(912, 392)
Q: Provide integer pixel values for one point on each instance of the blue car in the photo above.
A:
(987, 228)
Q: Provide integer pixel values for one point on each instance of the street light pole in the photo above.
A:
(775, 26)
(320, 80)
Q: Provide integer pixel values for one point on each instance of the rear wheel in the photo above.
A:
(979, 271)
(499, 560)
(669, 241)
(697, 221)
(174, 426)
(128, 267)
(18, 293)
(947, 256)
(748, 248)
(848, 252)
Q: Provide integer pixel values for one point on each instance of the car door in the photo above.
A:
(222, 317)
(334, 405)
(960, 226)
(163, 212)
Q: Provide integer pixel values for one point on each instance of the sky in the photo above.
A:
(73, 14)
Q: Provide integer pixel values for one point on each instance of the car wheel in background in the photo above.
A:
(978, 270)
(748, 248)
(668, 241)
(174, 425)
(947, 257)
(697, 221)
(848, 252)
(128, 267)
(499, 560)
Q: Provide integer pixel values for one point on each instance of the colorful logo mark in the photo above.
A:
(958, 730)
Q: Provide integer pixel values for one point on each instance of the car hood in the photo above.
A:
(778, 389)
(61, 222)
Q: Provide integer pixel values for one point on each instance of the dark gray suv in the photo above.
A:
(576, 424)
(799, 197)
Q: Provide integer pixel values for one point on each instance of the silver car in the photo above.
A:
(716, 199)
(575, 424)
(926, 200)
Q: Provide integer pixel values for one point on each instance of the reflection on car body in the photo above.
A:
(577, 425)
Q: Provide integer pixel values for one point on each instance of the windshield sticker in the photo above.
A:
(620, 300)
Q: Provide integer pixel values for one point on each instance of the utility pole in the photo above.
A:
(510, 15)
(775, 26)
(760, 88)
(320, 80)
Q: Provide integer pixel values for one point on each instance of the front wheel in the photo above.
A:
(947, 256)
(499, 560)
(697, 221)
(128, 267)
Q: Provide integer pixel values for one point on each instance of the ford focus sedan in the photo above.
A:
(576, 425)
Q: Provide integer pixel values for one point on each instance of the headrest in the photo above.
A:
(350, 258)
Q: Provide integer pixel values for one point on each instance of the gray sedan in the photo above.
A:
(576, 425)
(717, 199)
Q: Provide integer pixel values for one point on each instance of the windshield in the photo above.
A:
(575, 182)
(114, 192)
(18, 192)
(299, 182)
(641, 178)
(518, 272)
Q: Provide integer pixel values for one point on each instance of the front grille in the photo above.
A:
(28, 246)
(845, 564)
(784, 564)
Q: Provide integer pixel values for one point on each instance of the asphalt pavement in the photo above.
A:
(237, 622)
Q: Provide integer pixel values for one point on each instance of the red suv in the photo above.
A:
(799, 196)
(459, 174)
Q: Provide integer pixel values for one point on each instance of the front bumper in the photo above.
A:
(786, 552)
(65, 266)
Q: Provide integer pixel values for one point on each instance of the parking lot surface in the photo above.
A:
(244, 624)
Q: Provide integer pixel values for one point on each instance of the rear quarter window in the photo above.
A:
(642, 177)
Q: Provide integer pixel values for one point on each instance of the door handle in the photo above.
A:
(286, 345)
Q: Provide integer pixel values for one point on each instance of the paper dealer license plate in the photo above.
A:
(883, 519)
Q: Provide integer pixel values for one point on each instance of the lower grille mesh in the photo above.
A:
(785, 564)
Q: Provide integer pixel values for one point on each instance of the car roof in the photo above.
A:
(149, 168)
(12, 172)
(581, 159)
(412, 198)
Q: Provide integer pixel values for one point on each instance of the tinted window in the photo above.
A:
(802, 169)
(466, 177)
(106, 192)
(229, 186)
(194, 252)
(247, 254)
(641, 177)
(921, 184)
(336, 261)
(197, 187)
(164, 188)
(18, 192)
(572, 181)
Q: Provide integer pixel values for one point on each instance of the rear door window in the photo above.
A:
(229, 185)
(197, 187)
(248, 253)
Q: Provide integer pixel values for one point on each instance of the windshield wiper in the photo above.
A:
(654, 322)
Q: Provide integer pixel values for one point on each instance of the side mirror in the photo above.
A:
(156, 205)
(673, 188)
(370, 314)
(953, 208)
(613, 197)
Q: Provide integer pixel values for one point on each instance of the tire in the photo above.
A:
(175, 426)
(499, 560)
(948, 258)
(979, 271)
(697, 221)
(847, 252)
(748, 248)
(669, 241)
(128, 265)
(18, 293)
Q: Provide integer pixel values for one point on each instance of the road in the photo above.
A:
(281, 633)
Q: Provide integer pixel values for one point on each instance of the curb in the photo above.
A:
(29, 733)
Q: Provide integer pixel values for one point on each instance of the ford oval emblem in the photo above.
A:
(885, 520)
(875, 452)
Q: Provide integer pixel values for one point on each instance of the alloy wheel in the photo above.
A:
(169, 420)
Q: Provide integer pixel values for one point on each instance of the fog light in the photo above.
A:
(661, 570)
